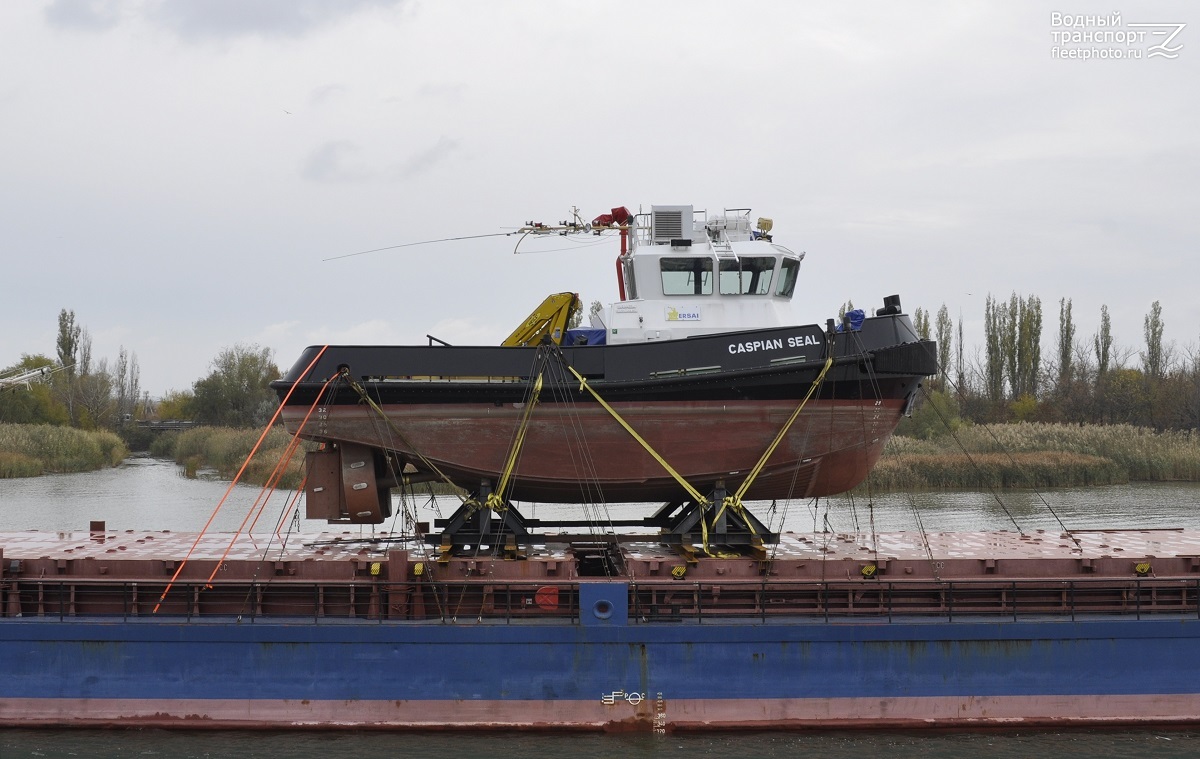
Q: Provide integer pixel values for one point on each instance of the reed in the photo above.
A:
(995, 470)
(1038, 455)
(27, 450)
(18, 465)
(225, 449)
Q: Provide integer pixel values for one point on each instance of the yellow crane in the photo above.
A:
(548, 321)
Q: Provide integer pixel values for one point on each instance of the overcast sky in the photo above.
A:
(175, 171)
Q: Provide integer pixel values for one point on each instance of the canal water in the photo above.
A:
(148, 494)
(151, 494)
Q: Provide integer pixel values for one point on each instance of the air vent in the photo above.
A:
(670, 223)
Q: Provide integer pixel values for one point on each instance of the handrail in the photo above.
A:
(514, 602)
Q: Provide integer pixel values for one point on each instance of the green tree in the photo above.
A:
(1102, 343)
(176, 404)
(1010, 320)
(944, 331)
(1065, 346)
(35, 403)
(921, 322)
(938, 415)
(960, 366)
(237, 392)
(94, 402)
(68, 357)
(1125, 400)
(68, 340)
(1029, 346)
(994, 329)
(1153, 358)
(126, 383)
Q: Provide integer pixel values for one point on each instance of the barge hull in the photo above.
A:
(222, 673)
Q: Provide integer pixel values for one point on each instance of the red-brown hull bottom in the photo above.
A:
(580, 453)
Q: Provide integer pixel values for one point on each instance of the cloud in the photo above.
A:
(370, 332)
(468, 331)
(200, 20)
(326, 93)
(335, 161)
(221, 19)
(273, 333)
(341, 161)
(85, 15)
(451, 91)
(425, 160)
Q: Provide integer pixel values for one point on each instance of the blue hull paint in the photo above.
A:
(363, 661)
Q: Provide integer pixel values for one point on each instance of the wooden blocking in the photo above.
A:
(365, 503)
(342, 486)
(323, 491)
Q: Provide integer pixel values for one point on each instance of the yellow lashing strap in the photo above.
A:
(695, 494)
(734, 502)
(495, 499)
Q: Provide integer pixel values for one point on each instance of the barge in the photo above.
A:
(695, 390)
(828, 631)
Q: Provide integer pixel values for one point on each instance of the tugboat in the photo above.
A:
(692, 389)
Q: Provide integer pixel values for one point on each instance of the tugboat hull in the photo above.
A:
(709, 407)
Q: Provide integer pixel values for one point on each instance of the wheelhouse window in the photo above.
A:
(687, 276)
(788, 274)
(747, 276)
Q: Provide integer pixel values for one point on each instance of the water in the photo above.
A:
(1090, 744)
(150, 494)
(142, 493)
(146, 494)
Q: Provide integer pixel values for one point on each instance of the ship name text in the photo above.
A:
(778, 343)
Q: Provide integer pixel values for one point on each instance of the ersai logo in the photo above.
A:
(683, 314)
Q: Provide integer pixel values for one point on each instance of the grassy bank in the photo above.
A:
(225, 449)
(1038, 455)
(27, 450)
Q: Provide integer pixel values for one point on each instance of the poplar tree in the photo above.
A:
(960, 364)
(68, 341)
(944, 328)
(1066, 343)
(1010, 318)
(68, 357)
(1029, 346)
(921, 322)
(1102, 342)
(1153, 358)
(993, 327)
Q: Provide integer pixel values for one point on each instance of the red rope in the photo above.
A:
(272, 481)
(284, 460)
(229, 490)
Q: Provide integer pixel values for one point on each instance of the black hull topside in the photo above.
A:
(884, 360)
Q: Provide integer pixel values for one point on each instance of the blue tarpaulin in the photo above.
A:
(585, 336)
(856, 319)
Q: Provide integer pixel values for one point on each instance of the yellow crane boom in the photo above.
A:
(548, 320)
